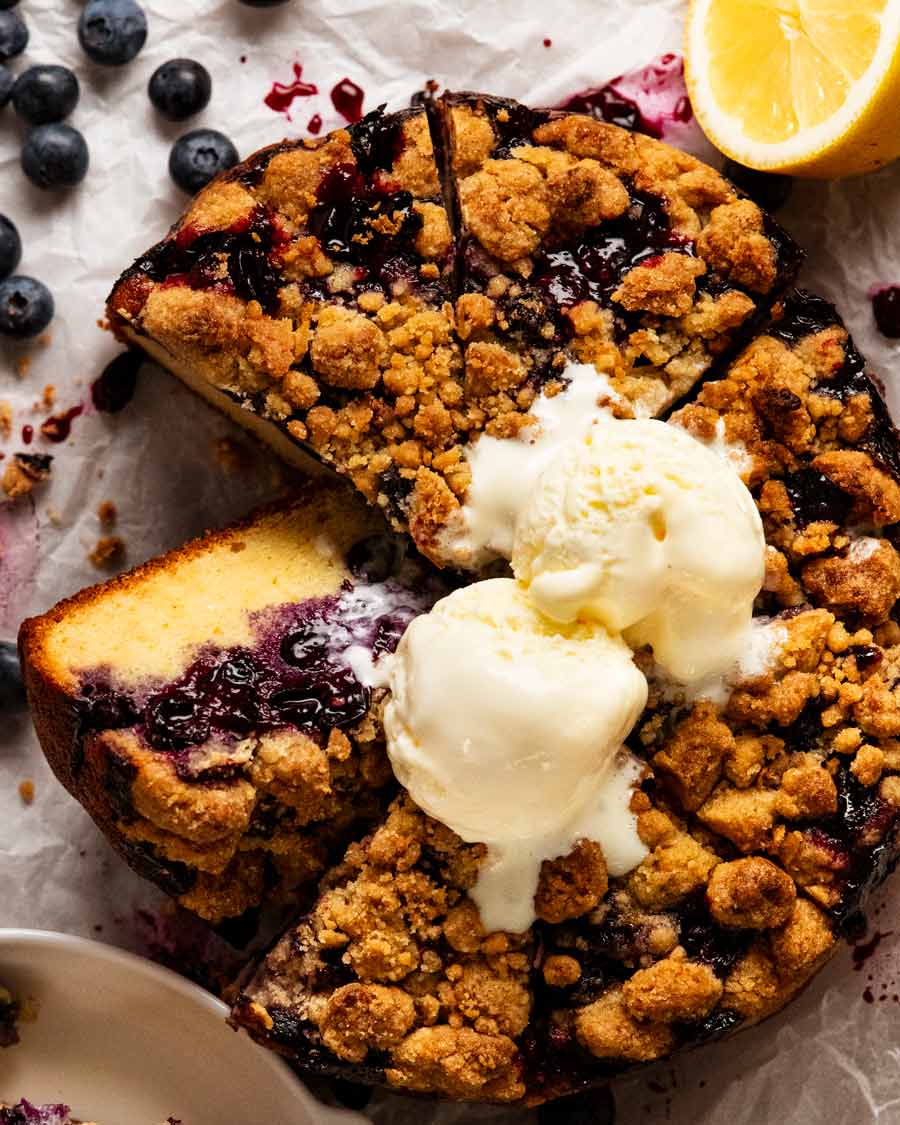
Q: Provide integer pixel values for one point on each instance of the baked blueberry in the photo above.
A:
(769, 189)
(886, 307)
(198, 157)
(12, 690)
(45, 93)
(13, 35)
(26, 307)
(7, 81)
(10, 247)
(55, 156)
(180, 88)
(112, 32)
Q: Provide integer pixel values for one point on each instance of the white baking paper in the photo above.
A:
(830, 1057)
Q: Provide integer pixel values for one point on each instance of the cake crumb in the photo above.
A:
(24, 471)
(23, 365)
(26, 790)
(6, 415)
(107, 513)
(108, 552)
(48, 398)
(54, 517)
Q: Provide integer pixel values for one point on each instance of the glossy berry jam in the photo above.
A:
(605, 103)
(247, 247)
(347, 98)
(814, 497)
(592, 268)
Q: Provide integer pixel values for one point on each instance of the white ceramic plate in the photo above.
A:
(126, 1042)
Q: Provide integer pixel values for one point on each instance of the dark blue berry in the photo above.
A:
(5, 4)
(886, 307)
(45, 93)
(13, 35)
(54, 156)
(26, 307)
(198, 157)
(180, 88)
(10, 247)
(112, 32)
(770, 190)
(113, 388)
(7, 81)
(12, 690)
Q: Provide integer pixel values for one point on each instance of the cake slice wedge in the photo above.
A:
(207, 708)
(306, 293)
(580, 241)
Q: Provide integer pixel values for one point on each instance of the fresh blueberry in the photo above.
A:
(180, 88)
(6, 4)
(45, 93)
(7, 81)
(112, 32)
(54, 156)
(13, 35)
(198, 157)
(10, 247)
(12, 690)
(26, 307)
(769, 189)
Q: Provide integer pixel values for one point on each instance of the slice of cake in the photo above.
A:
(208, 709)
(321, 295)
(583, 242)
(305, 292)
(769, 808)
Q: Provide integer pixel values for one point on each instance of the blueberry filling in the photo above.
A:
(814, 497)
(605, 103)
(197, 259)
(377, 140)
(302, 671)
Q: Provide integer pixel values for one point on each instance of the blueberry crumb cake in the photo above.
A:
(478, 312)
(383, 296)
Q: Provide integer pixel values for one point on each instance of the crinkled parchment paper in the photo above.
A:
(832, 1056)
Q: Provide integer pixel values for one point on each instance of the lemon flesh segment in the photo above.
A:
(811, 86)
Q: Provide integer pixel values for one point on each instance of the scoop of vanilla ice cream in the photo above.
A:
(508, 728)
(641, 527)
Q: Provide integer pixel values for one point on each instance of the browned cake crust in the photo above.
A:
(354, 297)
(233, 820)
(768, 817)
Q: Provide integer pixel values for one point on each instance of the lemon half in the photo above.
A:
(810, 87)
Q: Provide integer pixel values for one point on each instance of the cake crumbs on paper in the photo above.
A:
(54, 517)
(6, 416)
(107, 513)
(26, 791)
(23, 472)
(109, 551)
(48, 398)
(23, 365)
